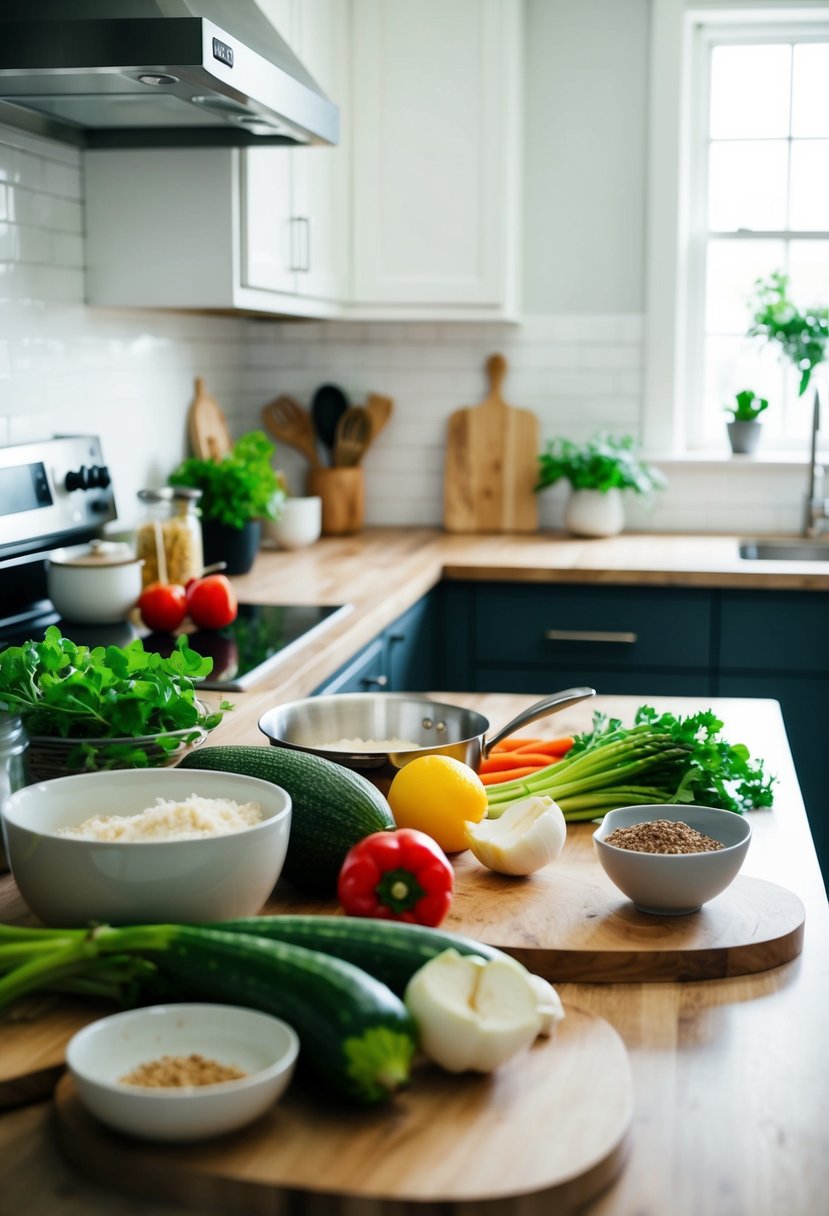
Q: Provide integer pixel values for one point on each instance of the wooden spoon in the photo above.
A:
(353, 436)
(328, 405)
(288, 422)
(379, 410)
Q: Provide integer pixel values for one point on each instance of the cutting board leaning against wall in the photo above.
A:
(491, 464)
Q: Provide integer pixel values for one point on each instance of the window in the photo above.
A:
(757, 201)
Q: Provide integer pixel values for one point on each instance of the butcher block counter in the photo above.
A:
(383, 571)
(730, 1076)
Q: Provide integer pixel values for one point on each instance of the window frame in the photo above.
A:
(681, 38)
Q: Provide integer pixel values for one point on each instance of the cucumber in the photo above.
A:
(354, 1033)
(391, 951)
(333, 807)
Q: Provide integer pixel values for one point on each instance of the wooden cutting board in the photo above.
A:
(570, 923)
(207, 425)
(446, 1140)
(491, 464)
(567, 923)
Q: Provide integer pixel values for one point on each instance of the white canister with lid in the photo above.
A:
(94, 584)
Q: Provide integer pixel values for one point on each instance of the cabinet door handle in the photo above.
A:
(591, 635)
(305, 265)
(295, 264)
(375, 681)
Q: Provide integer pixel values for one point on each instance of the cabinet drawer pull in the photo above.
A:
(590, 635)
(374, 681)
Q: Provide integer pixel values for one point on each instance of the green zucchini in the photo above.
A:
(391, 951)
(354, 1033)
(333, 807)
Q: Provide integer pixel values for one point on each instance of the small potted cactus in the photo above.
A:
(745, 426)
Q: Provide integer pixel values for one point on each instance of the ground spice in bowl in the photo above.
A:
(175, 1072)
(662, 836)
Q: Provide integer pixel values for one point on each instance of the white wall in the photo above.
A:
(585, 122)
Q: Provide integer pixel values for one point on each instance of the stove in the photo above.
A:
(59, 492)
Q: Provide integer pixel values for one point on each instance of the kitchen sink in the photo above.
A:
(785, 550)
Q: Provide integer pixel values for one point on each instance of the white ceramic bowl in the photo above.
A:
(68, 881)
(263, 1046)
(672, 884)
(299, 523)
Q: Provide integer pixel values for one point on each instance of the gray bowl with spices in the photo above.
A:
(678, 882)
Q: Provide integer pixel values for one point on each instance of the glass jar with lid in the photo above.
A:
(13, 768)
(169, 538)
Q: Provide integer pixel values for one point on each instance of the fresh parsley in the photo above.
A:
(62, 690)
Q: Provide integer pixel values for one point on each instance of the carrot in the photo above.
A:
(511, 760)
(511, 774)
(509, 745)
(548, 747)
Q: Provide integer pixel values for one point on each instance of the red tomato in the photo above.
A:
(212, 602)
(163, 606)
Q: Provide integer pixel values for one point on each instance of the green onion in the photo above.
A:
(660, 759)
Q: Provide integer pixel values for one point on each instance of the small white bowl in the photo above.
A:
(299, 523)
(674, 884)
(68, 881)
(264, 1047)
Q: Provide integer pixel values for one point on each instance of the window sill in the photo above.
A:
(704, 460)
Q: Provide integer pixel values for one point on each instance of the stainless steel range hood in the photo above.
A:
(156, 73)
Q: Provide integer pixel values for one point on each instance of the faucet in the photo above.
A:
(817, 505)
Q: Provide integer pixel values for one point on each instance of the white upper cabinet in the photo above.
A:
(294, 208)
(414, 215)
(436, 131)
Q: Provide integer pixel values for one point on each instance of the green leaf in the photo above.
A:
(603, 463)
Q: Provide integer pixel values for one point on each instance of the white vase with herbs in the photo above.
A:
(598, 471)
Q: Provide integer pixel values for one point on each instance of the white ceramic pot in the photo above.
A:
(94, 584)
(594, 513)
(299, 523)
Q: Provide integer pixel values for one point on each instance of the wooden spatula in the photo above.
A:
(491, 464)
(207, 426)
(353, 436)
(379, 410)
(288, 422)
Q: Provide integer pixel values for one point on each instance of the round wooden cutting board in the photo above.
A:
(555, 1119)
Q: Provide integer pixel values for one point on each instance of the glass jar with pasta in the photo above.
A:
(169, 538)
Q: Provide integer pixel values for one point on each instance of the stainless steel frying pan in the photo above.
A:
(437, 727)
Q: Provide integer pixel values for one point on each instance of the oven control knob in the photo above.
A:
(78, 479)
(99, 478)
(93, 477)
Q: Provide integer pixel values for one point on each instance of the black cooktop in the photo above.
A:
(257, 641)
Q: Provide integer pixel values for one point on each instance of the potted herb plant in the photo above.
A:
(598, 471)
(238, 492)
(803, 337)
(745, 426)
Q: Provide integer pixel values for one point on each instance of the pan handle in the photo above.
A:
(540, 709)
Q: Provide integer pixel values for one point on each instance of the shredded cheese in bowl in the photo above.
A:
(189, 818)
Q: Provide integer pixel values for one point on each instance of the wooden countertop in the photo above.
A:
(383, 571)
(731, 1077)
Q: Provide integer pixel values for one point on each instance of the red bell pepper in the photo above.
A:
(400, 875)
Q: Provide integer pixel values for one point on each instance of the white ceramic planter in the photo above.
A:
(594, 513)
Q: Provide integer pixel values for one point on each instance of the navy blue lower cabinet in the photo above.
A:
(366, 672)
(403, 658)
(412, 642)
(629, 683)
(510, 637)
